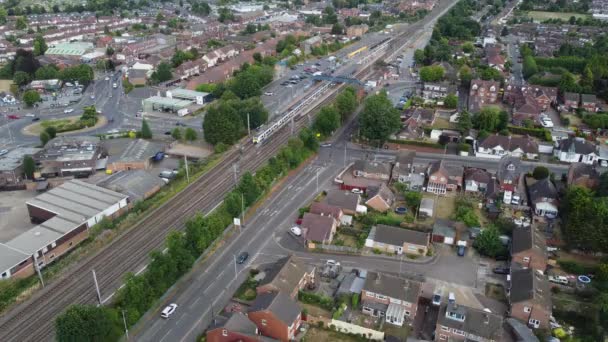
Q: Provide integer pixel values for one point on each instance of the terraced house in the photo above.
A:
(391, 297)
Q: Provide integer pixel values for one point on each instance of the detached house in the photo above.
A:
(529, 298)
(462, 323)
(380, 198)
(391, 297)
(372, 170)
(496, 146)
(289, 275)
(443, 177)
(509, 171)
(398, 240)
(318, 228)
(276, 315)
(483, 93)
(576, 150)
(345, 200)
(543, 197)
(476, 180)
(527, 110)
(528, 248)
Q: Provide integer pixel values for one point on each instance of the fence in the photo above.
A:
(349, 328)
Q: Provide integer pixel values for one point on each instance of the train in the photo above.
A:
(356, 52)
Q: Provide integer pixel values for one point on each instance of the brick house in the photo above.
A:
(391, 297)
(584, 175)
(327, 210)
(529, 297)
(571, 100)
(398, 240)
(318, 228)
(236, 327)
(483, 93)
(528, 248)
(372, 170)
(288, 275)
(462, 323)
(443, 178)
(528, 110)
(276, 315)
(589, 102)
(380, 198)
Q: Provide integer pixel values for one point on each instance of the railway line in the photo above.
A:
(34, 319)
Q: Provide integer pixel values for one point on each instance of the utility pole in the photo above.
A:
(97, 287)
(187, 171)
(124, 320)
(248, 126)
(235, 272)
(242, 209)
(235, 175)
(38, 268)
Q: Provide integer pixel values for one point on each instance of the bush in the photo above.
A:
(315, 299)
(220, 148)
(416, 143)
(540, 133)
(576, 267)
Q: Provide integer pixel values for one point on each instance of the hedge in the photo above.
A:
(416, 143)
(540, 133)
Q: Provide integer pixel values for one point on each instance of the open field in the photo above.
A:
(541, 16)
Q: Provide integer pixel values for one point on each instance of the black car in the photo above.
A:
(242, 257)
(167, 133)
(501, 270)
(35, 119)
(180, 124)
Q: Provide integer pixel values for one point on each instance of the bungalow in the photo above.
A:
(318, 228)
(276, 315)
(584, 175)
(288, 275)
(443, 177)
(398, 240)
(422, 116)
(476, 180)
(496, 146)
(543, 196)
(391, 297)
(372, 170)
(380, 198)
(589, 102)
(576, 150)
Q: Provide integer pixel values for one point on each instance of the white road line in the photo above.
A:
(165, 336)
(195, 325)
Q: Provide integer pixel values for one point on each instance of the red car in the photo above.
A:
(13, 116)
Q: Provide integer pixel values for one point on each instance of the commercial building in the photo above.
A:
(11, 166)
(71, 155)
(165, 104)
(196, 97)
(130, 154)
(64, 215)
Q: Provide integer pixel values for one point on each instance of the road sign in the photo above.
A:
(237, 221)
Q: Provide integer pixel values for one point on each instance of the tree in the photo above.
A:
(146, 132)
(466, 75)
(257, 57)
(223, 124)
(3, 16)
(464, 123)
(21, 78)
(21, 23)
(540, 172)
(584, 220)
(419, 56)
(451, 101)
(431, 73)
(488, 119)
(413, 198)
(176, 133)
(327, 121)
(346, 103)
(163, 73)
(31, 97)
(587, 79)
(47, 72)
(88, 323)
(488, 242)
(51, 131)
(379, 118)
(529, 66)
(44, 138)
(337, 28)
(329, 15)
(602, 189)
(468, 47)
(109, 51)
(190, 134)
(40, 46)
(29, 166)
(246, 85)
(568, 83)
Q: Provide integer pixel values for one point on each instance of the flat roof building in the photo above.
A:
(70, 155)
(71, 49)
(164, 104)
(130, 154)
(64, 215)
(11, 166)
(197, 97)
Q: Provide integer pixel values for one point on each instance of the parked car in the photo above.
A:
(13, 117)
(68, 111)
(30, 115)
(3, 152)
(268, 93)
(168, 310)
(242, 257)
(35, 119)
(559, 280)
(356, 191)
(437, 299)
(296, 231)
(546, 122)
(325, 145)
(180, 124)
(501, 270)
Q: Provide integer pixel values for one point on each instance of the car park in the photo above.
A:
(242, 257)
(168, 310)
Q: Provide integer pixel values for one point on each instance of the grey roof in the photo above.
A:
(392, 286)
(526, 285)
(135, 183)
(404, 160)
(342, 199)
(372, 167)
(236, 322)
(449, 170)
(129, 150)
(397, 236)
(588, 98)
(571, 96)
(576, 145)
(14, 158)
(318, 227)
(286, 274)
(540, 189)
(280, 304)
(10, 257)
(510, 143)
(476, 322)
(444, 228)
(34, 239)
(526, 238)
(383, 191)
(509, 168)
(521, 331)
(351, 284)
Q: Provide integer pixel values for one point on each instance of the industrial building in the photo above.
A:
(71, 155)
(64, 215)
(198, 97)
(11, 166)
(179, 101)
(130, 154)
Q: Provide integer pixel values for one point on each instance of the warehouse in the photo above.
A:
(64, 215)
(196, 97)
(165, 104)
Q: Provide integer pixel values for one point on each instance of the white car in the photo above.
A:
(546, 122)
(69, 110)
(558, 280)
(604, 163)
(268, 93)
(30, 115)
(296, 231)
(356, 191)
(107, 78)
(3, 152)
(168, 310)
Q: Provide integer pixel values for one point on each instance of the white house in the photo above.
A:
(576, 150)
(496, 146)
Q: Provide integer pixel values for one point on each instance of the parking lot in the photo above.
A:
(14, 217)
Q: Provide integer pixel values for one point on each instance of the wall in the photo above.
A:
(355, 329)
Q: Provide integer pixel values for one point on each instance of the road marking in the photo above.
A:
(195, 325)
(165, 336)
(191, 306)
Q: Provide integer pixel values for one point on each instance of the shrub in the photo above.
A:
(315, 299)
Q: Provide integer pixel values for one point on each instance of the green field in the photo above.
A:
(542, 16)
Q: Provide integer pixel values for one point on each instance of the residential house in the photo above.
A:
(189, 69)
(356, 30)
(458, 322)
(288, 275)
(380, 198)
(327, 210)
(398, 240)
(443, 177)
(318, 228)
(403, 166)
(497, 146)
(526, 110)
(585, 175)
(483, 93)
(372, 170)
(508, 173)
(137, 77)
(435, 91)
(528, 248)
(589, 102)
(542, 96)
(444, 231)
(571, 100)
(529, 297)
(543, 196)
(276, 315)
(345, 200)
(476, 180)
(493, 56)
(391, 297)
(236, 327)
(423, 116)
(311, 42)
(212, 58)
(576, 150)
